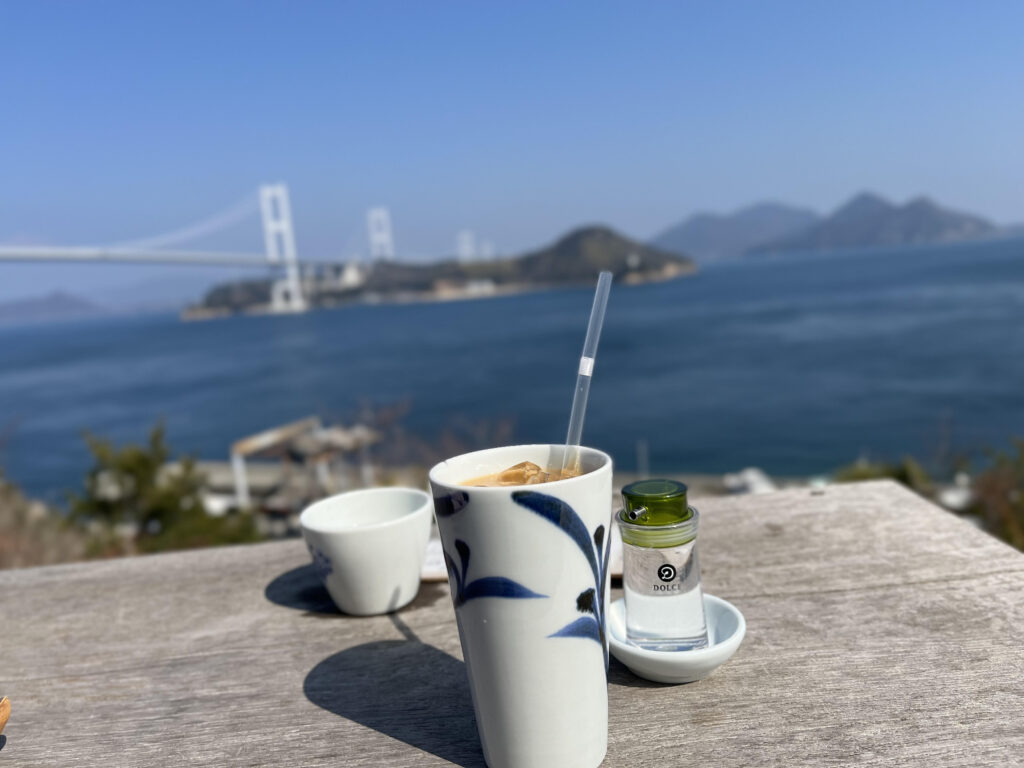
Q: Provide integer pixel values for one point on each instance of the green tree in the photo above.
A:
(999, 496)
(161, 505)
(906, 471)
(997, 490)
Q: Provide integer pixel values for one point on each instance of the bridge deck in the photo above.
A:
(133, 256)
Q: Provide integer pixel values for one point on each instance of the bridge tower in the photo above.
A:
(378, 225)
(286, 295)
(465, 245)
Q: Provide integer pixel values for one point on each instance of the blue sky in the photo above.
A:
(517, 120)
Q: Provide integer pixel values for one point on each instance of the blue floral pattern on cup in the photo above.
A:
(488, 586)
(595, 549)
(450, 503)
(321, 562)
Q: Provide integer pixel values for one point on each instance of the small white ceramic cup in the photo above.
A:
(528, 572)
(368, 546)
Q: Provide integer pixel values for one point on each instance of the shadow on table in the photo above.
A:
(3, 741)
(405, 689)
(619, 674)
(301, 589)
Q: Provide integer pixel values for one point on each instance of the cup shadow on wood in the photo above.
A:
(620, 674)
(404, 689)
(301, 589)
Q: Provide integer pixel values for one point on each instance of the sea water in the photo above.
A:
(884, 354)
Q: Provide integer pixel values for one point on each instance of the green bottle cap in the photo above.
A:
(656, 514)
(655, 502)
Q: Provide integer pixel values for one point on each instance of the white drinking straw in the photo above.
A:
(571, 456)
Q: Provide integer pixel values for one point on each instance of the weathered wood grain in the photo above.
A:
(881, 632)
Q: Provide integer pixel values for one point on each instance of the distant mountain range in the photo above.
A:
(42, 309)
(574, 259)
(714, 236)
(865, 221)
(871, 221)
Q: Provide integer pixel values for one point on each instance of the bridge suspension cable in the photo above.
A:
(239, 211)
(274, 207)
(153, 250)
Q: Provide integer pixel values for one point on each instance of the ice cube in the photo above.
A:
(525, 473)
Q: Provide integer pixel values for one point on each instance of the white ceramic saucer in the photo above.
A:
(726, 628)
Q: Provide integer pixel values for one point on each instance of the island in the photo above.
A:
(574, 259)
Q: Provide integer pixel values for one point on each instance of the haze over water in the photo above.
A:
(796, 365)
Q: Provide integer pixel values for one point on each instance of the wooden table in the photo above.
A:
(881, 631)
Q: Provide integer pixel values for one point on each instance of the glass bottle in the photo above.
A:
(660, 569)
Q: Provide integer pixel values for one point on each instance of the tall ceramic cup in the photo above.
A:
(527, 569)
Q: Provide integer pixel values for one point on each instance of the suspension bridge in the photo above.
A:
(281, 255)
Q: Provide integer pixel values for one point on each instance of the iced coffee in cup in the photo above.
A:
(526, 536)
(527, 566)
(523, 473)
